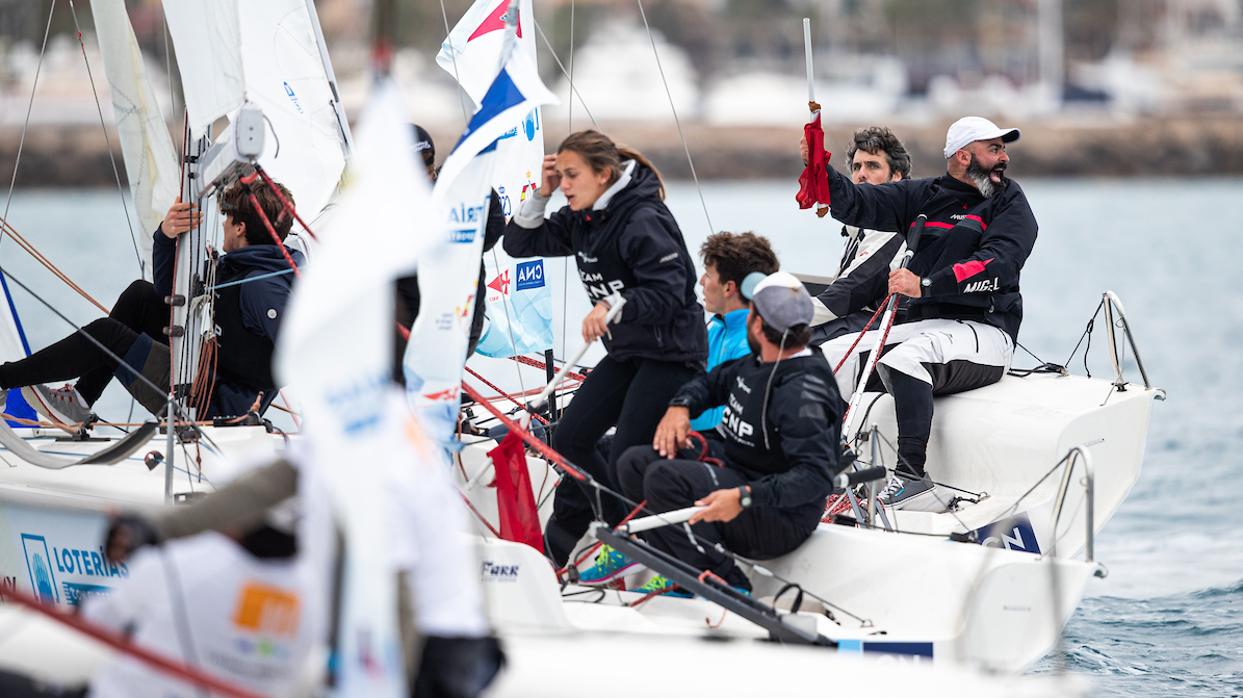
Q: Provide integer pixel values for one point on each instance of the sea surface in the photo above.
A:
(1168, 620)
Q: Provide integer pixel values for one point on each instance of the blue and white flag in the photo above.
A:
(518, 301)
(449, 271)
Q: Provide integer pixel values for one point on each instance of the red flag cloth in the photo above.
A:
(515, 502)
(813, 184)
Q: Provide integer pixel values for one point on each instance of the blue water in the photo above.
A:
(1168, 620)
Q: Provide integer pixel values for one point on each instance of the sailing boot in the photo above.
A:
(610, 565)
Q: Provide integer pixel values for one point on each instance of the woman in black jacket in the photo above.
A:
(626, 244)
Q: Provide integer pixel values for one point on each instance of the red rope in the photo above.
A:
(653, 594)
(284, 200)
(540, 447)
(504, 394)
(591, 551)
(120, 643)
(479, 516)
(540, 364)
(254, 203)
(862, 332)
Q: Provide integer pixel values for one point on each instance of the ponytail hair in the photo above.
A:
(600, 152)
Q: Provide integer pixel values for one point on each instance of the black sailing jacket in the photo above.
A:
(972, 249)
(247, 316)
(794, 466)
(633, 247)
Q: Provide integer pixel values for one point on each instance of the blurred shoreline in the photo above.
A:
(1208, 145)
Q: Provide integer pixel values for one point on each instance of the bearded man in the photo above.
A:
(963, 316)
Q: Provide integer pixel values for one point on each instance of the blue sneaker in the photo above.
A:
(610, 565)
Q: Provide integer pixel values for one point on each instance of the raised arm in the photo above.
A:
(877, 206)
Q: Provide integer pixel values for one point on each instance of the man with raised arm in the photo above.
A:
(778, 447)
(963, 316)
(844, 306)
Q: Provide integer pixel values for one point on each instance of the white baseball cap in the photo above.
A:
(970, 129)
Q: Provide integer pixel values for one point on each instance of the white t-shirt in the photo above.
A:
(250, 622)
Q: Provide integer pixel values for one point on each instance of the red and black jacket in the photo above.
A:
(972, 248)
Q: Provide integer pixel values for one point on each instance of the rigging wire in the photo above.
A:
(677, 121)
(574, 90)
(103, 125)
(444, 15)
(29, 106)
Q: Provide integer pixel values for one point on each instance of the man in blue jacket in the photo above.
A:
(252, 284)
(728, 259)
(965, 308)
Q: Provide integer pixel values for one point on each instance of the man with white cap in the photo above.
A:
(778, 444)
(964, 307)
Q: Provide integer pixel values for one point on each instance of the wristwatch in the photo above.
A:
(925, 282)
(744, 496)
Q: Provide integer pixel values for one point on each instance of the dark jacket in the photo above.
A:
(633, 247)
(862, 279)
(790, 450)
(247, 317)
(972, 249)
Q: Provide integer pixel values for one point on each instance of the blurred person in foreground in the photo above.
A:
(844, 306)
(965, 308)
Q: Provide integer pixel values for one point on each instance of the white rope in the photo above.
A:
(103, 125)
(29, 105)
(552, 52)
(678, 122)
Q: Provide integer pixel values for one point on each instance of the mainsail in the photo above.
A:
(151, 163)
(518, 299)
(236, 56)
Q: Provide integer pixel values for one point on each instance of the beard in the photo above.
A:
(983, 179)
(753, 343)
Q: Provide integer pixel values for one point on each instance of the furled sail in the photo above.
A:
(518, 299)
(151, 163)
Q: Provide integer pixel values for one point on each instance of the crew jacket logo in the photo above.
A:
(530, 274)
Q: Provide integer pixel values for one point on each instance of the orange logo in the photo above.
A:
(267, 609)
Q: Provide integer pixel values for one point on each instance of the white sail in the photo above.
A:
(269, 53)
(286, 74)
(151, 163)
(209, 55)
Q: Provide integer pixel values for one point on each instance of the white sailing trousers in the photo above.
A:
(949, 355)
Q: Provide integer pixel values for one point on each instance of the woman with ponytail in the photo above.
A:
(626, 244)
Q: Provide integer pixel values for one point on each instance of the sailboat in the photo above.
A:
(1000, 605)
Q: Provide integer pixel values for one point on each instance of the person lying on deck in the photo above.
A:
(247, 318)
(778, 446)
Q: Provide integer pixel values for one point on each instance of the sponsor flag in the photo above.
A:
(515, 502)
(519, 313)
(448, 275)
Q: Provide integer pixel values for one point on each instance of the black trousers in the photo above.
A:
(667, 485)
(631, 395)
(138, 311)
